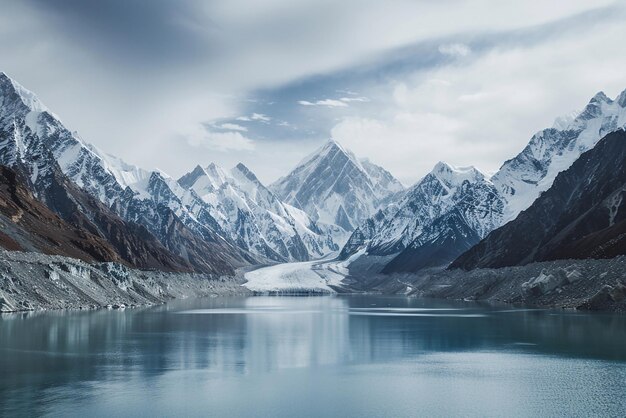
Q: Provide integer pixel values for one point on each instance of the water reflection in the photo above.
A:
(49, 361)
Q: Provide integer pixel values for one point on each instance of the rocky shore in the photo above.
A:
(33, 281)
(596, 285)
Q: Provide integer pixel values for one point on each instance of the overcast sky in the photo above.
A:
(171, 84)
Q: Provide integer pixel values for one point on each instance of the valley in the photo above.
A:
(354, 208)
(335, 223)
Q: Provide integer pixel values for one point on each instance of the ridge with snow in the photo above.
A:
(451, 209)
(334, 188)
(254, 217)
(37, 141)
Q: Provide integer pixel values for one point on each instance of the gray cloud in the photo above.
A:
(141, 79)
(133, 32)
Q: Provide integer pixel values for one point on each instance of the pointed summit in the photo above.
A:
(594, 107)
(331, 148)
(188, 180)
(333, 143)
(216, 174)
(454, 176)
(204, 180)
(16, 96)
(247, 179)
(441, 167)
(600, 97)
(246, 172)
(333, 181)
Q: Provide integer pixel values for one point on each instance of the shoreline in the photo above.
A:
(584, 285)
(34, 281)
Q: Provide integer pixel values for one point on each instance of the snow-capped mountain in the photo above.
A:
(213, 220)
(476, 209)
(34, 140)
(334, 188)
(522, 179)
(422, 211)
(385, 184)
(582, 215)
(416, 228)
(253, 216)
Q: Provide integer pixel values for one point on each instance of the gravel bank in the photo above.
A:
(575, 284)
(33, 281)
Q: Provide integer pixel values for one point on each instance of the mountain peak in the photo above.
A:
(333, 142)
(594, 107)
(8, 87)
(600, 97)
(216, 174)
(190, 178)
(242, 167)
(331, 146)
(246, 172)
(441, 167)
(452, 175)
(562, 122)
(331, 185)
(214, 169)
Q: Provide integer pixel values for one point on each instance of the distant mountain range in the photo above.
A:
(452, 209)
(64, 196)
(253, 217)
(210, 220)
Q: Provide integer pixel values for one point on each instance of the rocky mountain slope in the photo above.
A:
(522, 179)
(252, 216)
(92, 190)
(582, 215)
(412, 228)
(445, 212)
(334, 188)
(29, 225)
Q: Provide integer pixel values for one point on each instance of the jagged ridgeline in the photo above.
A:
(135, 211)
(452, 209)
(210, 220)
(583, 215)
(214, 220)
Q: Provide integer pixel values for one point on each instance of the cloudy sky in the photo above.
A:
(173, 83)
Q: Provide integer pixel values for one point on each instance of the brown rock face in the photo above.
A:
(583, 215)
(29, 225)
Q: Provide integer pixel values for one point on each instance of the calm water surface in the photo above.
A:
(319, 356)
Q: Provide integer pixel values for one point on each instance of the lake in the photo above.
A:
(366, 356)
